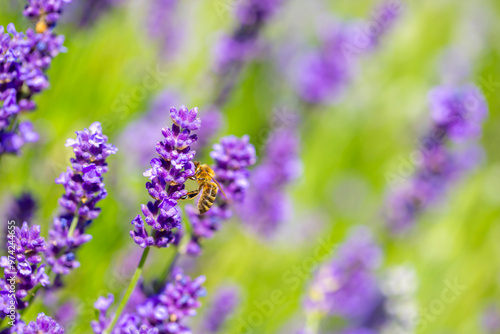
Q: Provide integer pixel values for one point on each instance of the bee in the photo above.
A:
(41, 26)
(208, 187)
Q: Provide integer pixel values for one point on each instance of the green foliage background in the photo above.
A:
(347, 151)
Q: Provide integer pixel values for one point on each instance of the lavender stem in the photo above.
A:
(72, 227)
(130, 289)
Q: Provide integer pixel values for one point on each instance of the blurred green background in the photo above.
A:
(347, 151)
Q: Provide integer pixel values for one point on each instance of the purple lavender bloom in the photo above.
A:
(382, 20)
(23, 267)
(22, 208)
(84, 188)
(458, 114)
(347, 285)
(323, 74)
(162, 313)
(459, 111)
(43, 325)
(86, 12)
(252, 12)
(24, 58)
(266, 205)
(47, 11)
(233, 156)
(163, 25)
(102, 305)
(224, 303)
(491, 320)
(243, 44)
(167, 175)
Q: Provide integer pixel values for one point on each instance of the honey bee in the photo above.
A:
(41, 26)
(208, 187)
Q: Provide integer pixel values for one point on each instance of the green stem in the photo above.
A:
(72, 227)
(312, 323)
(130, 289)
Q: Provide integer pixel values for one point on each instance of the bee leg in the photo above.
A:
(190, 195)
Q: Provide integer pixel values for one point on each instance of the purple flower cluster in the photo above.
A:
(162, 313)
(24, 58)
(167, 175)
(45, 13)
(22, 268)
(233, 156)
(323, 74)
(347, 286)
(21, 209)
(266, 205)
(84, 188)
(224, 303)
(87, 12)
(350, 288)
(43, 325)
(243, 44)
(457, 114)
(163, 26)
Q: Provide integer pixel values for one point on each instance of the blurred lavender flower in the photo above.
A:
(322, 75)
(347, 286)
(66, 313)
(457, 113)
(84, 188)
(22, 208)
(24, 58)
(43, 325)
(22, 267)
(232, 158)
(102, 306)
(243, 44)
(163, 313)
(167, 176)
(86, 12)
(491, 320)
(163, 26)
(267, 205)
(223, 304)
(44, 12)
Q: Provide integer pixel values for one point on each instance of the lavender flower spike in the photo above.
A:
(167, 175)
(162, 313)
(43, 325)
(24, 58)
(243, 44)
(23, 266)
(347, 286)
(84, 188)
(224, 303)
(266, 205)
(233, 156)
(457, 114)
(45, 12)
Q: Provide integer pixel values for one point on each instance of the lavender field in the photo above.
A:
(249, 166)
